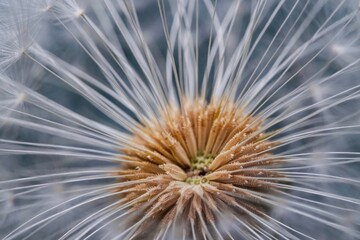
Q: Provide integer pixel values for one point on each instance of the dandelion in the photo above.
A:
(179, 119)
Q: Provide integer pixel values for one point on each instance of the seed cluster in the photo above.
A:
(200, 164)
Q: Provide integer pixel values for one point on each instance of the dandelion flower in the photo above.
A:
(179, 119)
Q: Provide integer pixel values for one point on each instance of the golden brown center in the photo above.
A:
(195, 163)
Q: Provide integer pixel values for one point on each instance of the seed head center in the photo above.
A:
(199, 169)
(196, 159)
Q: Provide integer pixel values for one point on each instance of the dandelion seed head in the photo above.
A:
(179, 119)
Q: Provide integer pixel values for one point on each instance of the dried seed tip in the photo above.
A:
(174, 171)
(203, 159)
